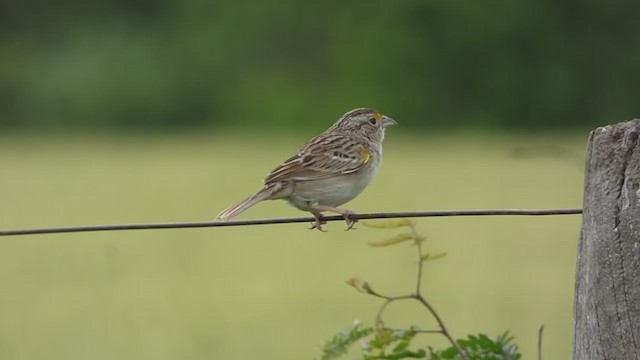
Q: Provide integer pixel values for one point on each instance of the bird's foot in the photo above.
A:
(351, 218)
(318, 223)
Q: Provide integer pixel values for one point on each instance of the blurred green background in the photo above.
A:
(272, 292)
(115, 64)
(141, 111)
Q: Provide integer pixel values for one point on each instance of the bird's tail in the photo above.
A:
(264, 194)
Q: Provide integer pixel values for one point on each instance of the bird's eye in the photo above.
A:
(373, 121)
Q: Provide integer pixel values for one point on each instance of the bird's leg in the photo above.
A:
(349, 216)
(318, 223)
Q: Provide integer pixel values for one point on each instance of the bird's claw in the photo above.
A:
(318, 223)
(317, 226)
(349, 216)
(351, 219)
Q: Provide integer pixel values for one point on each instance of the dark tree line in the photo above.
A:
(191, 64)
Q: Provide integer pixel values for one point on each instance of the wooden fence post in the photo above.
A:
(606, 313)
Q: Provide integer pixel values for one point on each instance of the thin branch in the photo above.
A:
(418, 295)
(418, 243)
(417, 331)
(540, 341)
(443, 329)
(390, 299)
(289, 220)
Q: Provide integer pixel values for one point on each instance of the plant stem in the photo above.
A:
(418, 242)
(540, 341)
(443, 329)
(418, 295)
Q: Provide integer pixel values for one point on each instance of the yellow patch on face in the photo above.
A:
(364, 154)
(377, 116)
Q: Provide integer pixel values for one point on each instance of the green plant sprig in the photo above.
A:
(381, 342)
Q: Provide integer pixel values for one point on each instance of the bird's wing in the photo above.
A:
(322, 157)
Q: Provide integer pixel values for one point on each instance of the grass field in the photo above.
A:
(274, 292)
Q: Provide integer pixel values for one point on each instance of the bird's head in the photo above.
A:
(364, 121)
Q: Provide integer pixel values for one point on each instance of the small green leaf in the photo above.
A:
(360, 285)
(368, 289)
(340, 343)
(388, 224)
(356, 283)
(481, 347)
(393, 241)
(429, 257)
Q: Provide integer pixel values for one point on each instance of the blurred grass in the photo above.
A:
(273, 292)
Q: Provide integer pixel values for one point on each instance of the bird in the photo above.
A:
(328, 171)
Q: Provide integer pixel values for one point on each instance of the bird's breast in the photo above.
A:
(336, 190)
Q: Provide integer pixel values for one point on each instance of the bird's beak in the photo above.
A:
(387, 121)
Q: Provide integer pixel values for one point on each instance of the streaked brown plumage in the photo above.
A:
(329, 170)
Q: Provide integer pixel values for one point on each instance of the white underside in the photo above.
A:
(333, 191)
